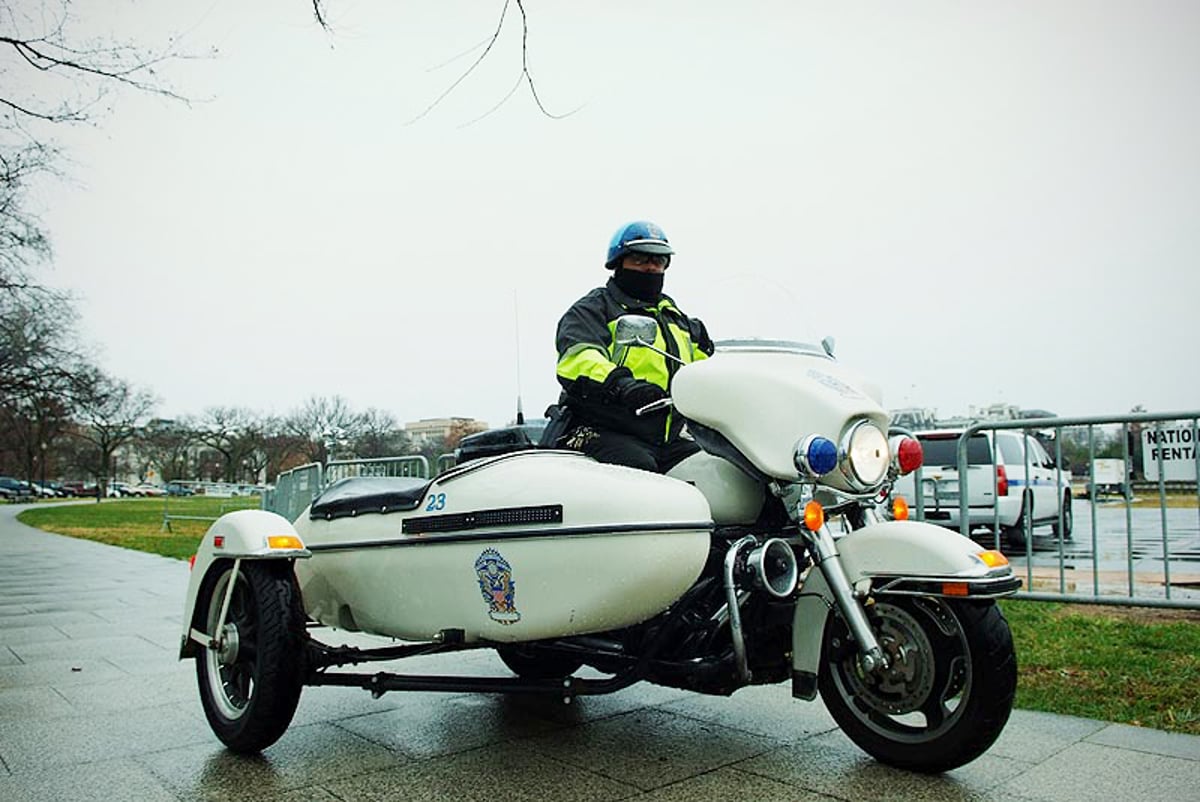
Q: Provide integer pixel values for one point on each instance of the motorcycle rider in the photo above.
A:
(603, 385)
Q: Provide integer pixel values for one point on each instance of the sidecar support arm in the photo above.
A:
(382, 682)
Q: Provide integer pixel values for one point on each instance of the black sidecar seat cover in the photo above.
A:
(364, 494)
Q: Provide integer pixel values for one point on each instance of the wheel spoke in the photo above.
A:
(935, 713)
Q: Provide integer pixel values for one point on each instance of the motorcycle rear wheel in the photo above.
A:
(250, 687)
(947, 691)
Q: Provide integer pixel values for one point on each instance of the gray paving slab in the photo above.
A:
(94, 704)
(730, 783)
(1155, 742)
(515, 772)
(309, 756)
(36, 703)
(1119, 773)
(651, 748)
(98, 782)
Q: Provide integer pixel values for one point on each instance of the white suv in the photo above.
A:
(1011, 480)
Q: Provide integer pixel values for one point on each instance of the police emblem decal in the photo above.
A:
(497, 586)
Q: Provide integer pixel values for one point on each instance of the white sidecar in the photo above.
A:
(520, 547)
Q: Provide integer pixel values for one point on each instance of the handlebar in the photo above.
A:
(653, 406)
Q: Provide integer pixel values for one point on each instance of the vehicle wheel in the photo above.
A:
(529, 662)
(1068, 521)
(250, 686)
(946, 693)
(1018, 534)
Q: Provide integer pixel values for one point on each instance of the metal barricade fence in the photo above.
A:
(414, 465)
(1134, 565)
(295, 489)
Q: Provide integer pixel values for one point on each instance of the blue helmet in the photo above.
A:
(640, 235)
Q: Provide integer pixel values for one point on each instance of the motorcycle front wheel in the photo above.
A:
(946, 692)
(250, 684)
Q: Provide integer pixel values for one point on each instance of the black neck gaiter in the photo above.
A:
(644, 286)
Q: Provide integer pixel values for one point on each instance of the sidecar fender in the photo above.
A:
(241, 535)
(896, 557)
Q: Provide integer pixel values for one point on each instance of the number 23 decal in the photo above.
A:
(437, 501)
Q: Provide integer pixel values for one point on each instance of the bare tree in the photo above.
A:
(281, 450)
(51, 75)
(236, 434)
(460, 429)
(38, 353)
(380, 435)
(524, 77)
(323, 425)
(109, 412)
(167, 445)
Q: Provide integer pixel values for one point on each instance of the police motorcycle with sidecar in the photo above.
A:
(768, 557)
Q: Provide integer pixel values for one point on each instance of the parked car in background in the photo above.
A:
(149, 490)
(39, 490)
(177, 489)
(16, 489)
(1011, 481)
(80, 489)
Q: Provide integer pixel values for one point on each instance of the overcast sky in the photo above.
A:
(982, 202)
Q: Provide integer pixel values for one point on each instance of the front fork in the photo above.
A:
(825, 554)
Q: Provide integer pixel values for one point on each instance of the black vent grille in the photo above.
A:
(506, 516)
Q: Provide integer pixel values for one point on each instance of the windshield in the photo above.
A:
(743, 311)
(755, 344)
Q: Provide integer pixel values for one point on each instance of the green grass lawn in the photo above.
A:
(137, 523)
(1134, 666)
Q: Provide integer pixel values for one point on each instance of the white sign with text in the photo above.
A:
(1175, 446)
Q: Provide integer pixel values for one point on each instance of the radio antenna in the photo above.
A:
(517, 336)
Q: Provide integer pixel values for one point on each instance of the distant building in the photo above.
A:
(436, 430)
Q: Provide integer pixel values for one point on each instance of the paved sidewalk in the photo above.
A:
(94, 705)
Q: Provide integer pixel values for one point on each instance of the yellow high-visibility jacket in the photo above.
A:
(587, 357)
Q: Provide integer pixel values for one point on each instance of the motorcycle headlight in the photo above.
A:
(865, 455)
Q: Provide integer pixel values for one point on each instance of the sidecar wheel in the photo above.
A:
(529, 662)
(250, 687)
(946, 694)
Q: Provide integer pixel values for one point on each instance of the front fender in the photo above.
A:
(908, 557)
(244, 535)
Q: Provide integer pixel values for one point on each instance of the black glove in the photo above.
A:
(623, 389)
(640, 393)
(631, 393)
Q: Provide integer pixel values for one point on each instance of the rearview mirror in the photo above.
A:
(635, 330)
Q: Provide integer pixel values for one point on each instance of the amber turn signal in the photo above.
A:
(899, 508)
(992, 558)
(814, 515)
(284, 542)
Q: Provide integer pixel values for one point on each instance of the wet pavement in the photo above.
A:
(94, 704)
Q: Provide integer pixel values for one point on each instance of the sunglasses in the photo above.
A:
(640, 259)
